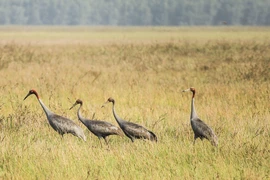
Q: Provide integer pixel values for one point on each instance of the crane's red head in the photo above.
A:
(192, 89)
(109, 100)
(78, 101)
(32, 91)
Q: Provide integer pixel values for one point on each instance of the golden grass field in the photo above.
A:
(145, 71)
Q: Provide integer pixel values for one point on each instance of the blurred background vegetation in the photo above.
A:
(135, 12)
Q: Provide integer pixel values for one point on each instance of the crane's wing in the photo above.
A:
(102, 127)
(64, 125)
(135, 130)
(203, 130)
(61, 123)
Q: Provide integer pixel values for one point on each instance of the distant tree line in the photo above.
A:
(135, 12)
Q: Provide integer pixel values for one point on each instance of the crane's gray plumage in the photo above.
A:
(101, 129)
(200, 129)
(132, 130)
(60, 124)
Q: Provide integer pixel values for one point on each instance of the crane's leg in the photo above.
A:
(195, 137)
(108, 146)
(106, 141)
(100, 142)
(194, 149)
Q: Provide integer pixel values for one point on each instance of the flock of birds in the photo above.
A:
(133, 131)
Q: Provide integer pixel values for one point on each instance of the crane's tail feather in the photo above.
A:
(120, 132)
(153, 137)
(84, 137)
(214, 140)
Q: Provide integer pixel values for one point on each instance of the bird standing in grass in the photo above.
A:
(60, 124)
(200, 129)
(132, 130)
(101, 129)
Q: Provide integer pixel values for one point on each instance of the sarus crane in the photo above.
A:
(200, 129)
(60, 124)
(101, 129)
(131, 130)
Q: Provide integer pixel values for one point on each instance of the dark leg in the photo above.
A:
(106, 141)
(108, 147)
(100, 141)
(195, 137)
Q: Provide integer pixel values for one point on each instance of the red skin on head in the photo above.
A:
(34, 92)
(192, 89)
(111, 100)
(78, 101)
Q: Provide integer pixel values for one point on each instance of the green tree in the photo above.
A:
(135, 12)
(16, 12)
(32, 13)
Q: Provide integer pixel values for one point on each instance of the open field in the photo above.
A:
(144, 70)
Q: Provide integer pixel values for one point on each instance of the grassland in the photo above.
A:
(144, 70)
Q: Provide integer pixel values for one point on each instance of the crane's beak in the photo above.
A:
(73, 106)
(186, 90)
(27, 96)
(104, 104)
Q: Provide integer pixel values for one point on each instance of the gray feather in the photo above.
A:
(101, 128)
(64, 125)
(201, 130)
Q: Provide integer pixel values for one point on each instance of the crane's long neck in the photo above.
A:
(193, 111)
(46, 110)
(82, 119)
(117, 118)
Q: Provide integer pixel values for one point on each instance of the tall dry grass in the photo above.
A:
(144, 70)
